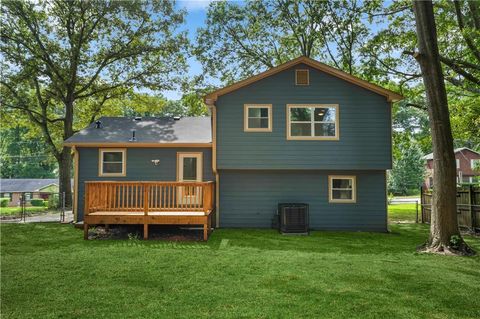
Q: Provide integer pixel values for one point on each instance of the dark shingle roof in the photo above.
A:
(147, 130)
(14, 185)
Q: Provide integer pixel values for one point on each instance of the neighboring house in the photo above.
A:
(467, 163)
(32, 187)
(301, 132)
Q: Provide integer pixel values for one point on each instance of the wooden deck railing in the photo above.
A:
(113, 196)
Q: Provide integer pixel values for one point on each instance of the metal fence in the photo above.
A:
(468, 206)
(37, 206)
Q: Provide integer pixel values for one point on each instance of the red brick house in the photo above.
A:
(467, 160)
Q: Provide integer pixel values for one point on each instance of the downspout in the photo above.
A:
(75, 183)
(213, 111)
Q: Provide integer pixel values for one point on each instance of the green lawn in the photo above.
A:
(48, 271)
(403, 212)
(8, 211)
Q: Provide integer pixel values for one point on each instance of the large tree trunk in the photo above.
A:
(64, 178)
(444, 222)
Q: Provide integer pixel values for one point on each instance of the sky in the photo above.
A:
(196, 14)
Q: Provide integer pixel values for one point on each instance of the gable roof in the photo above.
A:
(148, 131)
(390, 95)
(17, 185)
(457, 150)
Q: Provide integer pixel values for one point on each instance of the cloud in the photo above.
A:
(193, 5)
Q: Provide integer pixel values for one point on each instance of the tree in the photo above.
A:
(23, 154)
(408, 169)
(239, 40)
(58, 54)
(444, 224)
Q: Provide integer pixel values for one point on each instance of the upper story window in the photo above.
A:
(457, 161)
(112, 162)
(302, 77)
(342, 189)
(258, 118)
(312, 122)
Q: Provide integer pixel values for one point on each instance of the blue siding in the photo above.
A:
(249, 199)
(365, 126)
(139, 167)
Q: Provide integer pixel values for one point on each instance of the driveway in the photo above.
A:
(42, 218)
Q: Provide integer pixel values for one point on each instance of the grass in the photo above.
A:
(403, 212)
(48, 271)
(9, 211)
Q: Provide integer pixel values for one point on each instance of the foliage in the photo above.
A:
(240, 39)
(4, 201)
(23, 154)
(408, 169)
(63, 60)
(273, 276)
(53, 201)
(37, 202)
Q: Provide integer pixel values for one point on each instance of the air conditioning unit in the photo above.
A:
(293, 218)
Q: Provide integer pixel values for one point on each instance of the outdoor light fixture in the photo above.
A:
(156, 162)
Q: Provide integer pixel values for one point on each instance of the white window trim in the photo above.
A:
(342, 201)
(296, 77)
(336, 137)
(246, 107)
(457, 163)
(101, 151)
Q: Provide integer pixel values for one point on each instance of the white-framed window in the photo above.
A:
(112, 162)
(457, 161)
(312, 122)
(257, 118)
(302, 77)
(475, 164)
(342, 189)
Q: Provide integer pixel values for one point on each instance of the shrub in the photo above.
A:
(4, 201)
(53, 201)
(37, 202)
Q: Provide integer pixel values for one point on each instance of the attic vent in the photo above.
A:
(98, 124)
(138, 118)
(176, 118)
(302, 77)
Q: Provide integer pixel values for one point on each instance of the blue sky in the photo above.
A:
(196, 13)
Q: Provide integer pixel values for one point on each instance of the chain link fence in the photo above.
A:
(35, 207)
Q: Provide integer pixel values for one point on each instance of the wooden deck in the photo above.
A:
(149, 203)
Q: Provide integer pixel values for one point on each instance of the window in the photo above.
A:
(342, 189)
(475, 163)
(302, 77)
(28, 196)
(112, 162)
(257, 118)
(458, 163)
(312, 122)
(7, 195)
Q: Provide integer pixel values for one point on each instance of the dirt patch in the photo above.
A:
(135, 232)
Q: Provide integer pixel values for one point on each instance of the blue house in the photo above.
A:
(302, 132)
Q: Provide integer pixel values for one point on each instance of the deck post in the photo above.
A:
(85, 231)
(205, 231)
(145, 231)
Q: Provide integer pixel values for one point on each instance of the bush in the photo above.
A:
(53, 201)
(37, 202)
(4, 201)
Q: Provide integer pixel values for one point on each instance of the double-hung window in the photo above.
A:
(312, 122)
(342, 189)
(257, 118)
(112, 162)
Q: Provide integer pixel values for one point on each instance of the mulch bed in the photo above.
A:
(135, 232)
